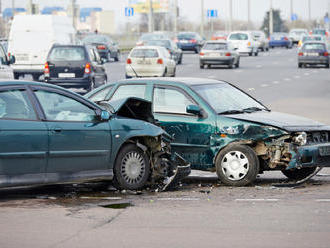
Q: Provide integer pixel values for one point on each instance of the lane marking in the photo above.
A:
(322, 200)
(178, 199)
(212, 76)
(276, 82)
(238, 71)
(251, 89)
(296, 76)
(264, 85)
(287, 79)
(258, 200)
(259, 66)
(306, 74)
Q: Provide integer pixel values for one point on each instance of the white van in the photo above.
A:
(243, 42)
(31, 37)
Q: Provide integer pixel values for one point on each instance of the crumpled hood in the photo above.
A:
(288, 122)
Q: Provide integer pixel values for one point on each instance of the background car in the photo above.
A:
(320, 31)
(52, 135)
(171, 46)
(6, 72)
(311, 38)
(220, 35)
(150, 61)
(74, 66)
(244, 42)
(217, 126)
(261, 40)
(106, 47)
(151, 36)
(189, 41)
(218, 53)
(280, 40)
(313, 53)
(296, 34)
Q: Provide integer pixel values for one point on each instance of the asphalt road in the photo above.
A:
(202, 213)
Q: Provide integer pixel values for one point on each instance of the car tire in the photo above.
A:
(132, 168)
(91, 86)
(299, 65)
(173, 75)
(127, 77)
(180, 60)
(327, 65)
(298, 174)
(231, 66)
(237, 165)
(250, 54)
(197, 49)
(35, 77)
(165, 73)
(108, 57)
(201, 66)
(267, 49)
(16, 76)
(237, 63)
(256, 53)
(117, 58)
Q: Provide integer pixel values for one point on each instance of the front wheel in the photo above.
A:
(237, 165)
(299, 174)
(132, 168)
(237, 64)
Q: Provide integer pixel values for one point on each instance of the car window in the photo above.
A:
(100, 95)
(168, 100)
(165, 52)
(15, 104)
(215, 46)
(67, 54)
(144, 53)
(3, 57)
(314, 46)
(124, 91)
(58, 107)
(238, 36)
(96, 39)
(92, 54)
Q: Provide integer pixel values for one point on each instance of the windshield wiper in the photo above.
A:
(254, 109)
(231, 112)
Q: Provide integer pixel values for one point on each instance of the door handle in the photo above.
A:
(57, 130)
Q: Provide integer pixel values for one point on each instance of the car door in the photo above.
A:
(6, 72)
(23, 139)
(79, 145)
(191, 133)
(98, 68)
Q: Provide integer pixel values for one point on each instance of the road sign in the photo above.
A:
(326, 19)
(212, 13)
(129, 11)
(294, 17)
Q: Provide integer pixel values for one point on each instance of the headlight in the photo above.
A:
(300, 139)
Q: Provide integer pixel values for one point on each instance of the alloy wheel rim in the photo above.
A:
(133, 167)
(235, 165)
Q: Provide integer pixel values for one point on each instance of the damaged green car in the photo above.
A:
(218, 127)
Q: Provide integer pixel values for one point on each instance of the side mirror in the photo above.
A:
(194, 109)
(103, 115)
(12, 59)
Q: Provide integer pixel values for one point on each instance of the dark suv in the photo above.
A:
(75, 66)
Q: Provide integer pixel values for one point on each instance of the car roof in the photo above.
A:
(216, 41)
(147, 47)
(190, 81)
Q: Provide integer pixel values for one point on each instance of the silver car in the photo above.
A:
(6, 72)
(218, 53)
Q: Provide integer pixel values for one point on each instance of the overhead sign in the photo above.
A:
(326, 19)
(212, 13)
(294, 17)
(142, 6)
(129, 11)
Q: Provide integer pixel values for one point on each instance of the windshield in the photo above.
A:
(144, 53)
(95, 39)
(224, 97)
(319, 31)
(152, 37)
(239, 36)
(162, 43)
(314, 46)
(215, 46)
(67, 54)
(187, 36)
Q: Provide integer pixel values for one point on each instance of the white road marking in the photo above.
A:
(259, 66)
(178, 199)
(264, 85)
(287, 79)
(212, 76)
(276, 82)
(296, 76)
(259, 200)
(251, 89)
(323, 200)
(238, 71)
(306, 74)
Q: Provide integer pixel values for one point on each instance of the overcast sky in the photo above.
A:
(192, 8)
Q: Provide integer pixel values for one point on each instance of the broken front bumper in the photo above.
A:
(310, 156)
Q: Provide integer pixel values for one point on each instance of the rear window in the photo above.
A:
(67, 54)
(144, 53)
(95, 39)
(314, 46)
(319, 31)
(215, 46)
(162, 43)
(239, 36)
(186, 36)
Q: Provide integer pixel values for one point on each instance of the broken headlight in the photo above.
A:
(300, 139)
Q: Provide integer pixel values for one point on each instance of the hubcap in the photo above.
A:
(133, 167)
(235, 165)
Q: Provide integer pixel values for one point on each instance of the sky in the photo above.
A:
(191, 9)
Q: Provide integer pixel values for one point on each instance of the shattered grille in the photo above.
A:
(318, 137)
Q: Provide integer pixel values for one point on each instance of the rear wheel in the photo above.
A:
(327, 65)
(16, 76)
(237, 63)
(237, 165)
(132, 168)
(201, 66)
(197, 49)
(299, 65)
(298, 174)
(180, 60)
(35, 77)
(250, 54)
(92, 85)
(256, 53)
(117, 58)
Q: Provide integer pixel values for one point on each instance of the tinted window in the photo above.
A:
(14, 104)
(96, 39)
(239, 36)
(131, 90)
(144, 53)
(162, 43)
(319, 31)
(100, 95)
(187, 36)
(314, 46)
(67, 54)
(167, 100)
(215, 46)
(62, 108)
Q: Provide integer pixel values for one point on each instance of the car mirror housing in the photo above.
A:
(194, 109)
(102, 115)
(12, 59)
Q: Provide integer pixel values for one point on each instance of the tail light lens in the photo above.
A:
(228, 54)
(101, 47)
(201, 54)
(128, 61)
(300, 54)
(249, 43)
(325, 54)
(286, 38)
(46, 69)
(193, 41)
(160, 61)
(169, 51)
(88, 68)
(176, 40)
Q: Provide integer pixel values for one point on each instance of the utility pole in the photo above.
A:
(175, 28)
(150, 18)
(74, 13)
(202, 18)
(291, 9)
(30, 7)
(271, 18)
(249, 18)
(309, 12)
(230, 15)
(13, 7)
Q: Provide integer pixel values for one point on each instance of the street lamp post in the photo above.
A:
(202, 18)
(271, 18)
(230, 15)
(150, 18)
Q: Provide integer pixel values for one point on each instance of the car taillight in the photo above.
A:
(193, 41)
(46, 69)
(249, 43)
(300, 54)
(169, 50)
(9, 55)
(325, 54)
(88, 68)
(128, 61)
(101, 47)
(139, 43)
(176, 40)
(160, 61)
(228, 54)
(201, 54)
(285, 38)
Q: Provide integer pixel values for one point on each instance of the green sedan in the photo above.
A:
(52, 135)
(218, 127)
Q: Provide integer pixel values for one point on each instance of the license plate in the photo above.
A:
(66, 75)
(183, 41)
(143, 62)
(214, 54)
(312, 54)
(324, 150)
